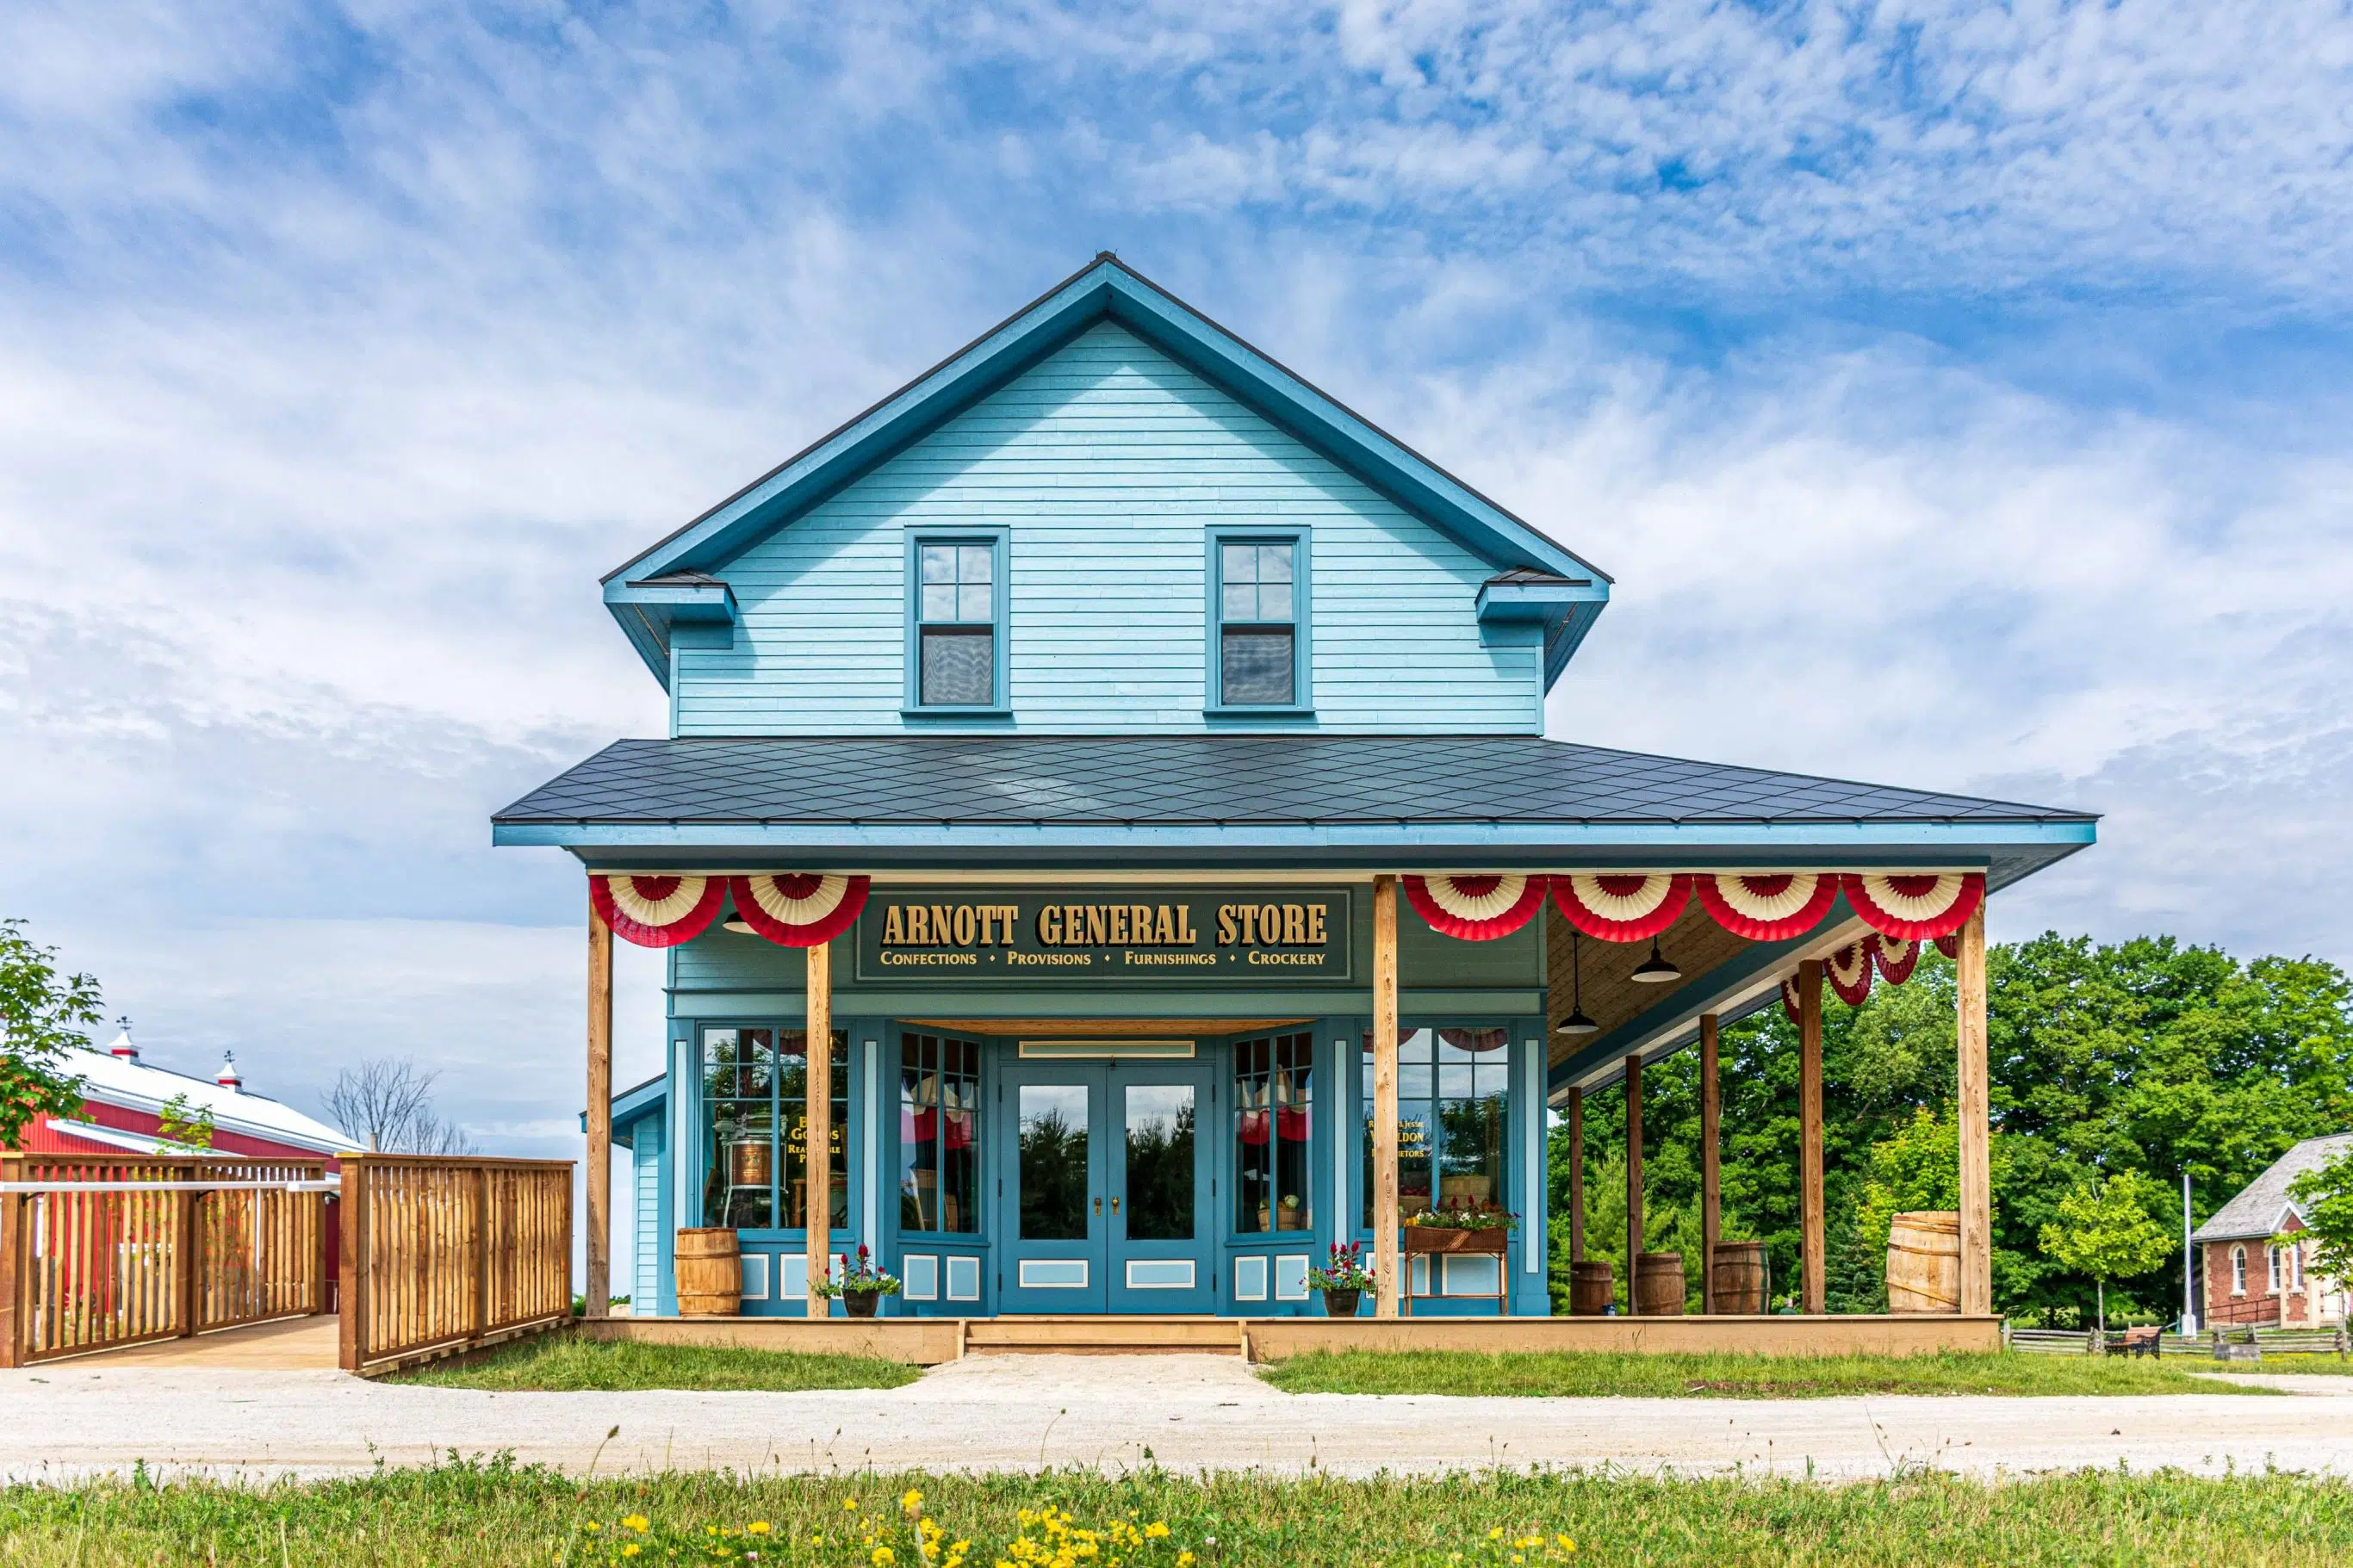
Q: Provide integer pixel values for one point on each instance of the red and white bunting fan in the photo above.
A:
(657, 911)
(799, 908)
(1476, 908)
(1847, 969)
(1767, 906)
(1896, 959)
(1790, 996)
(1950, 946)
(1916, 904)
(1622, 906)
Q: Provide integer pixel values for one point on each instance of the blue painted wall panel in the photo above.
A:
(1108, 461)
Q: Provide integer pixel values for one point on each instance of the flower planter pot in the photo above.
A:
(861, 1304)
(1341, 1303)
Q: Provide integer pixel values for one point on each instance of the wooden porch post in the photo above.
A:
(818, 1145)
(1809, 1134)
(1711, 1216)
(12, 1221)
(1576, 1175)
(1975, 1115)
(597, 1291)
(1633, 1173)
(1387, 1282)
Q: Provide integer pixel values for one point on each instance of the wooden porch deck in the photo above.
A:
(927, 1342)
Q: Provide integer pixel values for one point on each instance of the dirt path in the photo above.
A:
(1184, 1412)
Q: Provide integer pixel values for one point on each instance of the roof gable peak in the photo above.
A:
(644, 593)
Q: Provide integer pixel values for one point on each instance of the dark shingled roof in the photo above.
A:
(1221, 780)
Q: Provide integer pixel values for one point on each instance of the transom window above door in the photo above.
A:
(956, 624)
(1258, 611)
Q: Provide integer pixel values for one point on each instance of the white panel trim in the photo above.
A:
(1250, 1278)
(756, 1276)
(1343, 1136)
(1162, 1274)
(1052, 1273)
(1290, 1277)
(1469, 1274)
(963, 1279)
(1416, 1275)
(918, 1277)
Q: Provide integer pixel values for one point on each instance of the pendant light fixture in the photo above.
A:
(1577, 1023)
(737, 923)
(1655, 970)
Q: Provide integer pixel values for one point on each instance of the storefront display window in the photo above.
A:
(939, 1134)
(1454, 1092)
(1273, 1106)
(756, 1086)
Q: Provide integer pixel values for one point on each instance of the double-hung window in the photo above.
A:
(1258, 611)
(955, 636)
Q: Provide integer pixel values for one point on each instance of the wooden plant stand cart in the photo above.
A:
(1435, 1240)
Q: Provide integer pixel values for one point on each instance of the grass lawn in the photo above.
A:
(560, 1363)
(494, 1514)
(1731, 1375)
(2326, 1365)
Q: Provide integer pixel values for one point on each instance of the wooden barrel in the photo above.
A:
(1659, 1285)
(1924, 1262)
(709, 1274)
(1739, 1270)
(1591, 1287)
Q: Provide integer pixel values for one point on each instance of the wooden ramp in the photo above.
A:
(1112, 1335)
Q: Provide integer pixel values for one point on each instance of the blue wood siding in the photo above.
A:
(649, 1230)
(1107, 460)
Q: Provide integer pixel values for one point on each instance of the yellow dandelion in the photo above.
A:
(912, 1502)
(637, 1521)
(757, 1527)
(884, 1557)
(1496, 1533)
(593, 1527)
(1566, 1544)
(1156, 1530)
(630, 1549)
(849, 1505)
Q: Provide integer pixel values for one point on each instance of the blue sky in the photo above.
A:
(1958, 395)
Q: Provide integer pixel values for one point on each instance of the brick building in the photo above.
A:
(2251, 1279)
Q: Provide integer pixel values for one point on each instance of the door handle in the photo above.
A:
(1099, 1206)
(1115, 1205)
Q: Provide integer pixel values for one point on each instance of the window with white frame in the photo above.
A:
(2238, 1271)
(2271, 1258)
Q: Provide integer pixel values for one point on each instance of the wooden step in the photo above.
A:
(1110, 1334)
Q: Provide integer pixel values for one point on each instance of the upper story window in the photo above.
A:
(955, 623)
(1258, 616)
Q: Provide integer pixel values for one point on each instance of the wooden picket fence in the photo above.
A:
(448, 1254)
(98, 1251)
(2274, 1341)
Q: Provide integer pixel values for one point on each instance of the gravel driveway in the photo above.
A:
(997, 1413)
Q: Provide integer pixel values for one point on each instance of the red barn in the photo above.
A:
(123, 1098)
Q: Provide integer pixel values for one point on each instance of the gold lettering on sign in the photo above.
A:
(894, 927)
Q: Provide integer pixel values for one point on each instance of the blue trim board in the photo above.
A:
(1104, 289)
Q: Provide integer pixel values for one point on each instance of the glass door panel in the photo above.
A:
(1054, 1226)
(1160, 1254)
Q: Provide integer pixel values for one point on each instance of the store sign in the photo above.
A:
(1255, 936)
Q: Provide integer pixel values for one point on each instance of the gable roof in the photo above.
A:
(2264, 1205)
(668, 581)
(136, 1085)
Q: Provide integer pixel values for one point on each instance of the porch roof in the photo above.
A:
(1308, 801)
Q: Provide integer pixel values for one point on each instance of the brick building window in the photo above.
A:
(2238, 1271)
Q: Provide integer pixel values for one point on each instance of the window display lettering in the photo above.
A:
(1453, 1095)
(756, 1121)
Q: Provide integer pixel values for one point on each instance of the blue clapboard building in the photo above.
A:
(1135, 760)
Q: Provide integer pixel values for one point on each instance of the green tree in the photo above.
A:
(2325, 1197)
(181, 1126)
(2105, 1230)
(41, 1014)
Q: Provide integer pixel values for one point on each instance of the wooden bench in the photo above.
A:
(2147, 1342)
